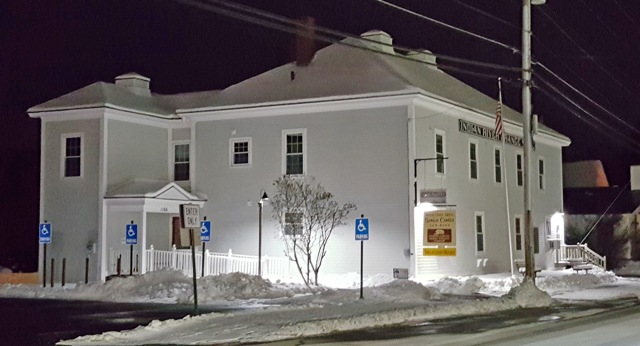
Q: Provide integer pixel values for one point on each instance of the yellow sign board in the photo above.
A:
(439, 228)
(438, 251)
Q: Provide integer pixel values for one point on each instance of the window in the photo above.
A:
(240, 152)
(497, 164)
(293, 224)
(518, 231)
(536, 240)
(181, 162)
(519, 171)
(72, 155)
(479, 225)
(541, 173)
(473, 160)
(440, 152)
(294, 150)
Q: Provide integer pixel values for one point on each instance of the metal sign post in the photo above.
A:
(190, 218)
(131, 236)
(362, 234)
(44, 235)
(205, 236)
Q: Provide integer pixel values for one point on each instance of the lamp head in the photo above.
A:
(538, 2)
(264, 196)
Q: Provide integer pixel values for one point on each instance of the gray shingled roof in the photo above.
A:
(337, 71)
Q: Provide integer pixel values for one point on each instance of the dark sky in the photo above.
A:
(49, 48)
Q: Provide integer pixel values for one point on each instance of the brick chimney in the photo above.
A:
(305, 41)
(135, 83)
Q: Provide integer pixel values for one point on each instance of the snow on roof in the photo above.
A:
(108, 95)
(349, 69)
(151, 188)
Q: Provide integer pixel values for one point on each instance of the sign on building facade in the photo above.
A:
(439, 231)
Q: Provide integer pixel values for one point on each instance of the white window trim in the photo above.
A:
(518, 219)
(474, 142)
(484, 232)
(172, 160)
(521, 154)
(303, 131)
(234, 140)
(284, 222)
(538, 175)
(444, 151)
(493, 159)
(63, 153)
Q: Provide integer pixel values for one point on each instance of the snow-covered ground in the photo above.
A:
(279, 310)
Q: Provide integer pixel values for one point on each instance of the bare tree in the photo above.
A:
(307, 215)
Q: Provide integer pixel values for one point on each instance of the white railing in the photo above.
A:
(582, 251)
(216, 263)
(125, 264)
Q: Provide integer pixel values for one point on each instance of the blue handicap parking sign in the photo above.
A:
(44, 233)
(205, 230)
(131, 234)
(362, 229)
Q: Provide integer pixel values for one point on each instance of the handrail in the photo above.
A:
(583, 252)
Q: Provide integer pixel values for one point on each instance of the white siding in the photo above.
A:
(360, 156)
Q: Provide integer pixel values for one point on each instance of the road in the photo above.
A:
(607, 323)
(44, 322)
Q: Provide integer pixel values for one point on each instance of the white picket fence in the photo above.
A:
(215, 263)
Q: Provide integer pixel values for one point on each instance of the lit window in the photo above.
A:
(181, 162)
(72, 155)
(294, 149)
(440, 152)
(240, 151)
(473, 160)
(519, 171)
(293, 224)
(497, 164)
(479, 225)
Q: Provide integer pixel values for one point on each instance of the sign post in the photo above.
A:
(190, 218)
(205, 236)
(131, 236)
(362, 234)
(44, 235)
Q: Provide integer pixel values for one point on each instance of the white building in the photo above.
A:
(361, 123)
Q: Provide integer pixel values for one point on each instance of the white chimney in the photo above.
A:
(635, 178)
(424, 55)
(381, 40)
(136, 83)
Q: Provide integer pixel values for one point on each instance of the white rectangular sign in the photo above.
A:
(190, 216)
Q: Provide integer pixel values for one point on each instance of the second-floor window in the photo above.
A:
(519, 170)
(181, 162)
(294, 149)
(473, 160)
(72, 155)
(440, 152)
(541, 174)
(240, 151)
(497, 164)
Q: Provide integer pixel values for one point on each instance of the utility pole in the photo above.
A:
(526, 128)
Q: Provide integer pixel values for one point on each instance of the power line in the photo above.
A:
(449, 26)
(587, 97)
(250, 17)
(602, 124)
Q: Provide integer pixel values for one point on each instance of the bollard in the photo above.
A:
(64, 269)
(52, 271)
(118, 262)
(86, 270)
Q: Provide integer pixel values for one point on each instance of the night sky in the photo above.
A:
(49, 48)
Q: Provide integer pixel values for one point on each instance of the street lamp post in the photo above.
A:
(263, 198)
(526, 128)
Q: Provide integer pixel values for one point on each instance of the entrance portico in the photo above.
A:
(149, 203)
